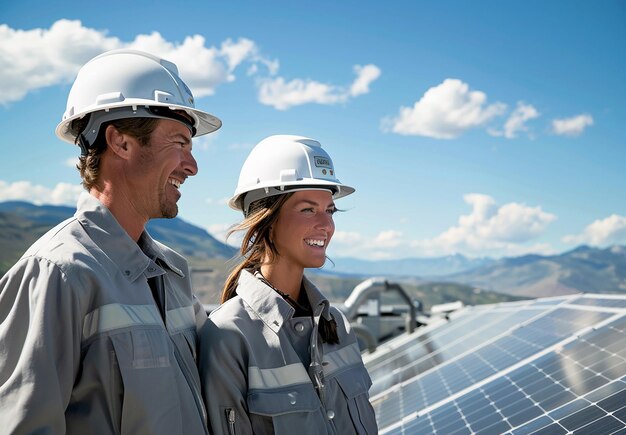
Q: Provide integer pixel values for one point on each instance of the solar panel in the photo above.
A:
(554, 365)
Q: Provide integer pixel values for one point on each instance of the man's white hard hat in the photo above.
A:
(285, 163)
(122, 84)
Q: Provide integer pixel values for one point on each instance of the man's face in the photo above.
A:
(161, 167)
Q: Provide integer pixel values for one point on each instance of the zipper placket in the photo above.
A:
(195, 392)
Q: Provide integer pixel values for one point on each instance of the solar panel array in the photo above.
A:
(548, 366)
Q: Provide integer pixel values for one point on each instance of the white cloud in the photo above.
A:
(611, 230)
(517, 121)
(219, 231)
(61, 194)
(354, 244)
(572, 126)
(489, 229)
(347, 238)
(445, 112)
(365, 76)
(282, 94)
(206, 142)
(71, 162)
(32, 59)
(388, 239)
(237, 52)
(219, 201)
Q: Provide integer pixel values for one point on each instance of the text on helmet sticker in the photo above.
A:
(323, 162)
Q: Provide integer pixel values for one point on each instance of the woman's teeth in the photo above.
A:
(312, 242)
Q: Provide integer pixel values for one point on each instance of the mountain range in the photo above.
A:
(474, 280)
(584, 269)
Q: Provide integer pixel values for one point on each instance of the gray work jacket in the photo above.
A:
(83, 347)
(253, 376)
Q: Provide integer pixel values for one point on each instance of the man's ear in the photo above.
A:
(117, 142)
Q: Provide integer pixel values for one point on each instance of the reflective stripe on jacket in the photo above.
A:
(84, 348)
(252, 371)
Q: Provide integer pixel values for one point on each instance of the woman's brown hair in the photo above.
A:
(256, 243)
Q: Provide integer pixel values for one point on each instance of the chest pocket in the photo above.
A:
(353, 387)
(284, 411)
(145, 360)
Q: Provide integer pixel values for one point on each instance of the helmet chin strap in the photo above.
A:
(83, 144)
(88, 136)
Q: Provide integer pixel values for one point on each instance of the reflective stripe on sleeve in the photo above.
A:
(277, 377)
(116, 316)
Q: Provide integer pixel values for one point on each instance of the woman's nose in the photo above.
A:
(325, 220)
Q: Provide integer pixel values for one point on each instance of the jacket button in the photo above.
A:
(299, 327)
(292, 398)
(330, 414)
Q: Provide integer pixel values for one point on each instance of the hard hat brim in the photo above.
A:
(205, 122)
(337, 189)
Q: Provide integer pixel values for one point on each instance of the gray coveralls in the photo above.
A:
(83, 346)
(260, 367)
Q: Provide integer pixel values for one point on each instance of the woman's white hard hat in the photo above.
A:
(134, 80)
(285, 163)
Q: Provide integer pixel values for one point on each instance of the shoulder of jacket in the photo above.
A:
(47, 245)
(229, 310)
(62, 247)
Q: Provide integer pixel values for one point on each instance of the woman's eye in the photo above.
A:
(307, 210)
(331, 211)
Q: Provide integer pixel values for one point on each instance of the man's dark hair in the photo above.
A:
(89, 165)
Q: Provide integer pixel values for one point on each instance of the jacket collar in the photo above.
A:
(270, 306)
(317, 300)
(114, 241)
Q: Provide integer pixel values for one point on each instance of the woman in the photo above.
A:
(275, 357)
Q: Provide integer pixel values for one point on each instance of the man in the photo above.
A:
(97, 320)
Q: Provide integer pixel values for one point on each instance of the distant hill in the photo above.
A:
(424, 267)
(584, 269)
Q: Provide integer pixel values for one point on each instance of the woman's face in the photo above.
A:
(304, 228)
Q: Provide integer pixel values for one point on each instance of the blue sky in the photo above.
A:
(487, 128)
